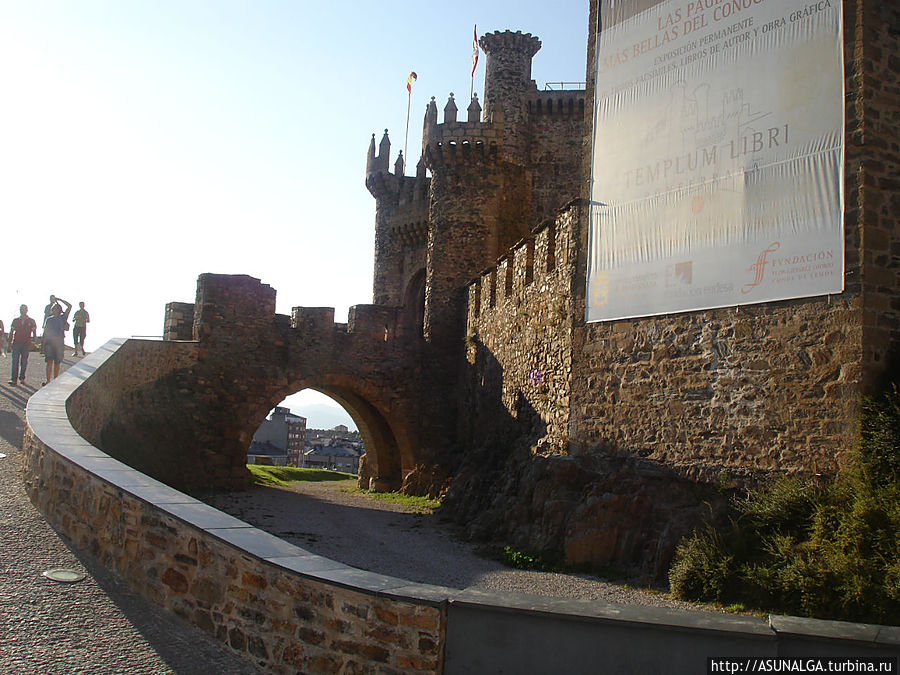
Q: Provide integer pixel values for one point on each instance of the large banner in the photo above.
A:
(718, 155)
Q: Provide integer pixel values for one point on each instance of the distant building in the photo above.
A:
(266, 453)
(326, 454)
(340, 432)
(280, 440)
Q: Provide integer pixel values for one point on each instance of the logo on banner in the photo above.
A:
(600, 289)
(680, 274)
(759, 267)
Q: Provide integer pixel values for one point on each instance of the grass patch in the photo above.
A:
(409, 502)
(282, 476)
(827, 551)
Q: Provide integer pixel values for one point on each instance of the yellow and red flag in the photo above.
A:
(409, 81)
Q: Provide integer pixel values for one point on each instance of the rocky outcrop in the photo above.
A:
(597, 512)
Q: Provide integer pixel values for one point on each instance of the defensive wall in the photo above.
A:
(601, 443)
(184, 409)
(598, 443)
(775, 386)
(289, 610)
(615, 431)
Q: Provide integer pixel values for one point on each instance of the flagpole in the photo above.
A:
(409, 81)
(406, 134)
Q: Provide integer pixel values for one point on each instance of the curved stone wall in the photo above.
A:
(290, 610)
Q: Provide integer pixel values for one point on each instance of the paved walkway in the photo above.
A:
(94, 626)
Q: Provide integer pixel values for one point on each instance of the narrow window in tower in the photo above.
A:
(529, 261)
(551, 248)
(493, 297)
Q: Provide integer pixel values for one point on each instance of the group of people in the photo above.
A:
(23, 334)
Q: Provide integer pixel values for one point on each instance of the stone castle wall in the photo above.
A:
(771, 387)
(756, 389)
(656, 408)
(776, 386)
(563, 436)
(873, 158)
(518, 336)
(556, 125)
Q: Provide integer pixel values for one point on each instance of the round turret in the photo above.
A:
(507, 76)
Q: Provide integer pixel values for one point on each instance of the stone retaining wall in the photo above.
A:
(281, 606)
(290, 611)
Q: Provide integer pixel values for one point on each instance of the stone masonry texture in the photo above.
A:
(274, 618)
(97, 625)
(474, 374)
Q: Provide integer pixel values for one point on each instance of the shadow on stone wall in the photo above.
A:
(595, 510)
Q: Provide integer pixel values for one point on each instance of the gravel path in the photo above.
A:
(95, 626)
(389, 539)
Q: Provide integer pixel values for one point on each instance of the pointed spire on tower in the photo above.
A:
(384, 153)
(430, 123)
(370, 157)
(399, 164)
(450, 110)
(474, 110)
(421, 186)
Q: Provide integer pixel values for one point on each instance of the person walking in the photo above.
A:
(22, 333)
(54, 334)
(81, 319)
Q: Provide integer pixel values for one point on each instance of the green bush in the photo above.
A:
(702, 567)
(526, 561)
(829, 551)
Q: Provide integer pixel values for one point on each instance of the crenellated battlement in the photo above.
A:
(453, 153)
(528, 268)
(473, 132)
(396, 186)
(452, 141)
(521, 43)
(225, 316)
(557, 103)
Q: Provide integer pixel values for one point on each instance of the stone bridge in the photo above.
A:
(185, 410)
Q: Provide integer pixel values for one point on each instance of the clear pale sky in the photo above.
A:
(143, 143)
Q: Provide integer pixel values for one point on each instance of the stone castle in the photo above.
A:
(474, 374)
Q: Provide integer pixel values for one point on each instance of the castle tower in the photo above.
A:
(433, 235)
(401, 214)
(507, 80)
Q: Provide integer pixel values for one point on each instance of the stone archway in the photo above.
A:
(388, 456)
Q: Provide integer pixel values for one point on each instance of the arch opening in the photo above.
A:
(308, 430)
(357, 437)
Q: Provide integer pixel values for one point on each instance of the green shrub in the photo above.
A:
(701, 568)
(829, 551)
(526, 561)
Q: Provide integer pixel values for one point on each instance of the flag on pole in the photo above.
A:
(474, 49)
(409, 81)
